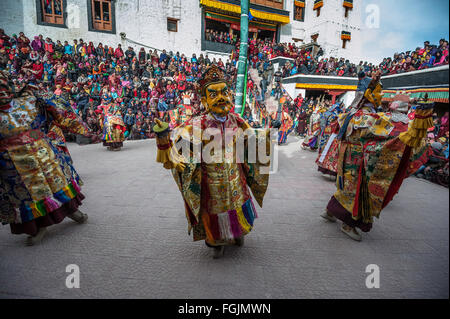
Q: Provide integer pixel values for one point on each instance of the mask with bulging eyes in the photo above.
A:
(217, 99)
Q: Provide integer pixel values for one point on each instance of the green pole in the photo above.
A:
(245, 88)
(242, 62)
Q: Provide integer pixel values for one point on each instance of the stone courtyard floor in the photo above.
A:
(135, 243)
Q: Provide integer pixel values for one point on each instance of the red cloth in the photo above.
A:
(399, 176)
(49, 47)
(118, 53)
(40, 68)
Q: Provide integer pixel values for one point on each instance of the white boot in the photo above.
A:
(328, 217)
(351, 232)
(31, 240)
(79, 217)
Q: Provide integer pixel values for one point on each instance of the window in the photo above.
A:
(277, 4)
(51, 12)
(348, 5)
(317, 5)
(299, 11)
(172, 24)
(345, 36)
(101, 15)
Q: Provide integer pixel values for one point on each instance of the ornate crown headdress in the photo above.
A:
(212, 75)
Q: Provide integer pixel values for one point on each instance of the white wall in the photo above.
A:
(295, 29)
(11, 16)
(333, 12)
(144, 21)
(291, 90)
(328, 25)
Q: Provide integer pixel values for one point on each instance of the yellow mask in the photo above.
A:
(217, 99)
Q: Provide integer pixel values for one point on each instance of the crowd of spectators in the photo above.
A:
(305, 62)
(144, 84)
(220, 36)
(436, 169)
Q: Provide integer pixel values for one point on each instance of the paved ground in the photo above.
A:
(135, 244)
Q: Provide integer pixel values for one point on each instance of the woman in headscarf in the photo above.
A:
(90, 50)
(142, 57)
(23, 44)
(36, 44)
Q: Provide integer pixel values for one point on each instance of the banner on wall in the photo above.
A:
(238, 27)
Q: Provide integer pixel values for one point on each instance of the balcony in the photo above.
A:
(217, 46)
(268, 11)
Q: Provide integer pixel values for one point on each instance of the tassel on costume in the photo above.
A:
(166, 154)
(423, 119)
(50, 204)
(164, 145)
(231, 224)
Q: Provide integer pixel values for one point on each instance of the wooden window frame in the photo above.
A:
(172, 20)
(302, 18)
(347, 9)
(277, 4)
(112, 16)
(40, 14)
(346, 12)
(344, 43)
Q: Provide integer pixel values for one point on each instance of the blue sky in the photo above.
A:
(404, 25)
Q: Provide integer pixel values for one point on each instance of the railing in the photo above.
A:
(217, 46)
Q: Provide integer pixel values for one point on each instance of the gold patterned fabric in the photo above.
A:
(37, 176)
(373, 162)
(41, 172)
(113, 125)
(218, 203)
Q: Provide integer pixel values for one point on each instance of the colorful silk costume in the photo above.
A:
(373, 160)
(113, 126)
(327, 159)
(39, 185)
(218, 203)
(311, 139)
(287, 125)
